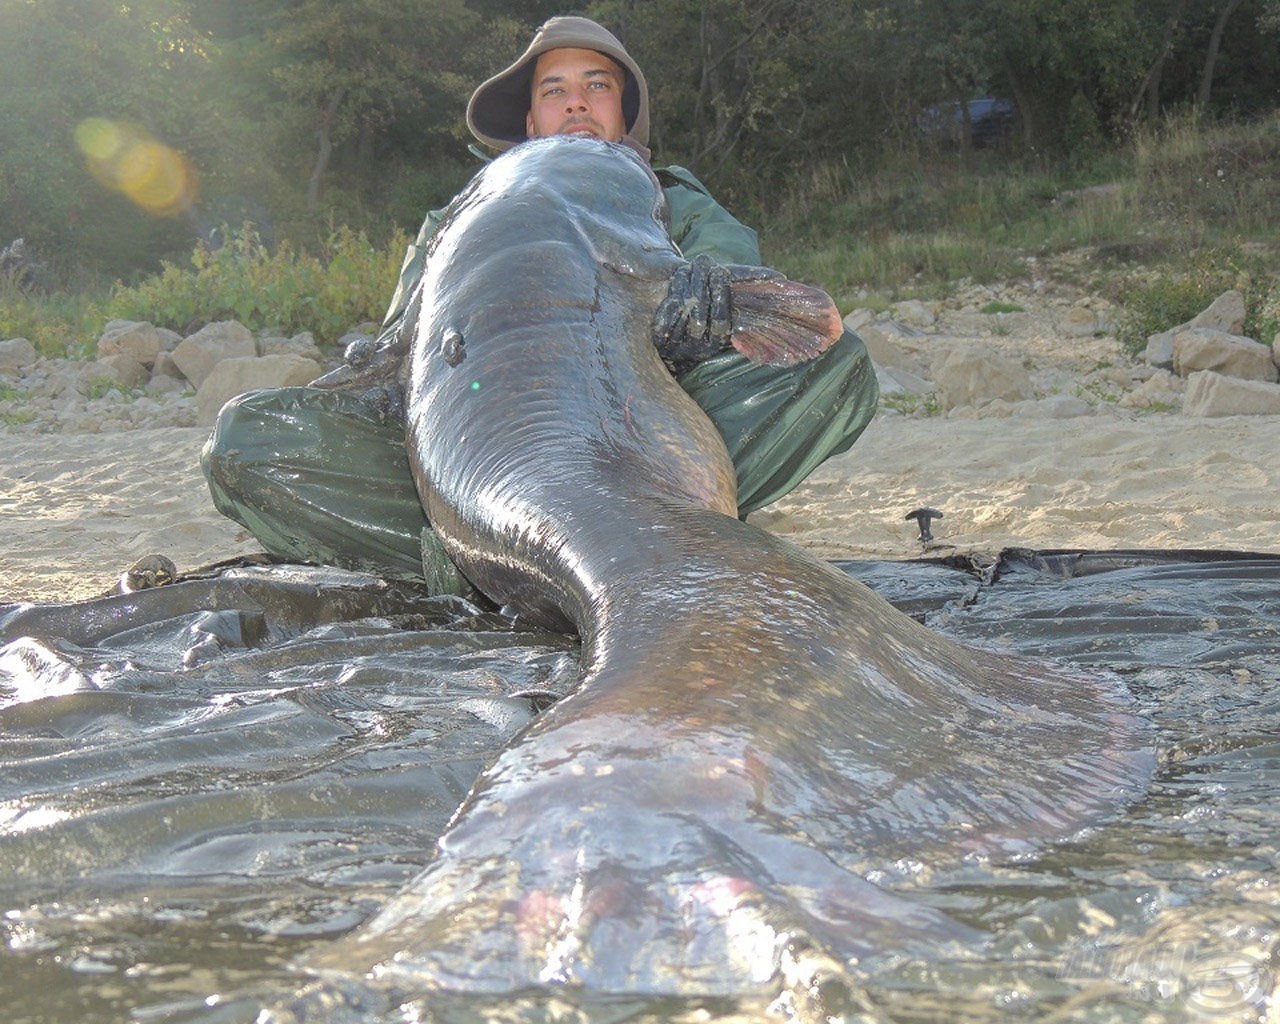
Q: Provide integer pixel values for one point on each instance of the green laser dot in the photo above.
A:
(475, 385)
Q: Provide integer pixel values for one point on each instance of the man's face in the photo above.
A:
(576, 91)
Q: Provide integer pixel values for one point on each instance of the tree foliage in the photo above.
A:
(300, 115)
(362, 66)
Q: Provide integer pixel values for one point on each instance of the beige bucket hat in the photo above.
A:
(496, 112)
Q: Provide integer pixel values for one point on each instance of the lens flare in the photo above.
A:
(129, 159)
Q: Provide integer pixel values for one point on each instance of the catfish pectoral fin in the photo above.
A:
(782, 322)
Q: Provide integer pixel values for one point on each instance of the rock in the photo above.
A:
(881, 347)
(1054, 407)
(1162, 388)
(916, 313)
(372, 331)
(1212, 394)
(303, 344)
(995, 410)
(894, 380)
(1112, 374)
(915, 344)
(16, 354)
(1206, 348)
(164, 384)
(197, 355)
(968, 375)
(1159, 350)
(169, 340)
(1225, 314)
(855, 321)
(232, 377)
(120, 369)
(1082, 322)
(134, 338)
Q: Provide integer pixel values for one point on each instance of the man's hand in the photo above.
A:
(711, 308)
(694, 321)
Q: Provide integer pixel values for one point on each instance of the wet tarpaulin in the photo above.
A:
(198, 782)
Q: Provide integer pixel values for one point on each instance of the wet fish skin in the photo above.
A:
(755, 733)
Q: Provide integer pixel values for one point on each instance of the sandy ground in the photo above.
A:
(76, 510)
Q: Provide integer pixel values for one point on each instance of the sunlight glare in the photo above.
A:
(127, 158)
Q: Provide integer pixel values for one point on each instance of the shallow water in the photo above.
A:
(190, 802)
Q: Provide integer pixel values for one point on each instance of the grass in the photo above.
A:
(1160, 227)
(14, 396)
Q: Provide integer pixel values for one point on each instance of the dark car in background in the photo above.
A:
(991, 119)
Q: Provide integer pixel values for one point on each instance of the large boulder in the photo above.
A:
(138, 340)
(1206, 348)
(232, 377)
(16, 354)
(969, 375)
(1225, 313)
(167, 368)
(169, 340)
(1212, 394)
(197, 355)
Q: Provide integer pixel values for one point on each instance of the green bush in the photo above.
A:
(348, 283)
(1174, 295)
(57, 325)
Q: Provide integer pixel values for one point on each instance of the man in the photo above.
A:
(321, 475)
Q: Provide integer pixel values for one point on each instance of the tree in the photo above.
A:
(1227, 9)
(1148, 95)
(1222, 56)
(360, 66)
(1061, 58)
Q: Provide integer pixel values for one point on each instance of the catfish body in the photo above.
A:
(755, 735)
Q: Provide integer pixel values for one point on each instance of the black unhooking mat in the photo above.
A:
(198, 781)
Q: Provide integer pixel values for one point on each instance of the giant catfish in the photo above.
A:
(758, 742)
